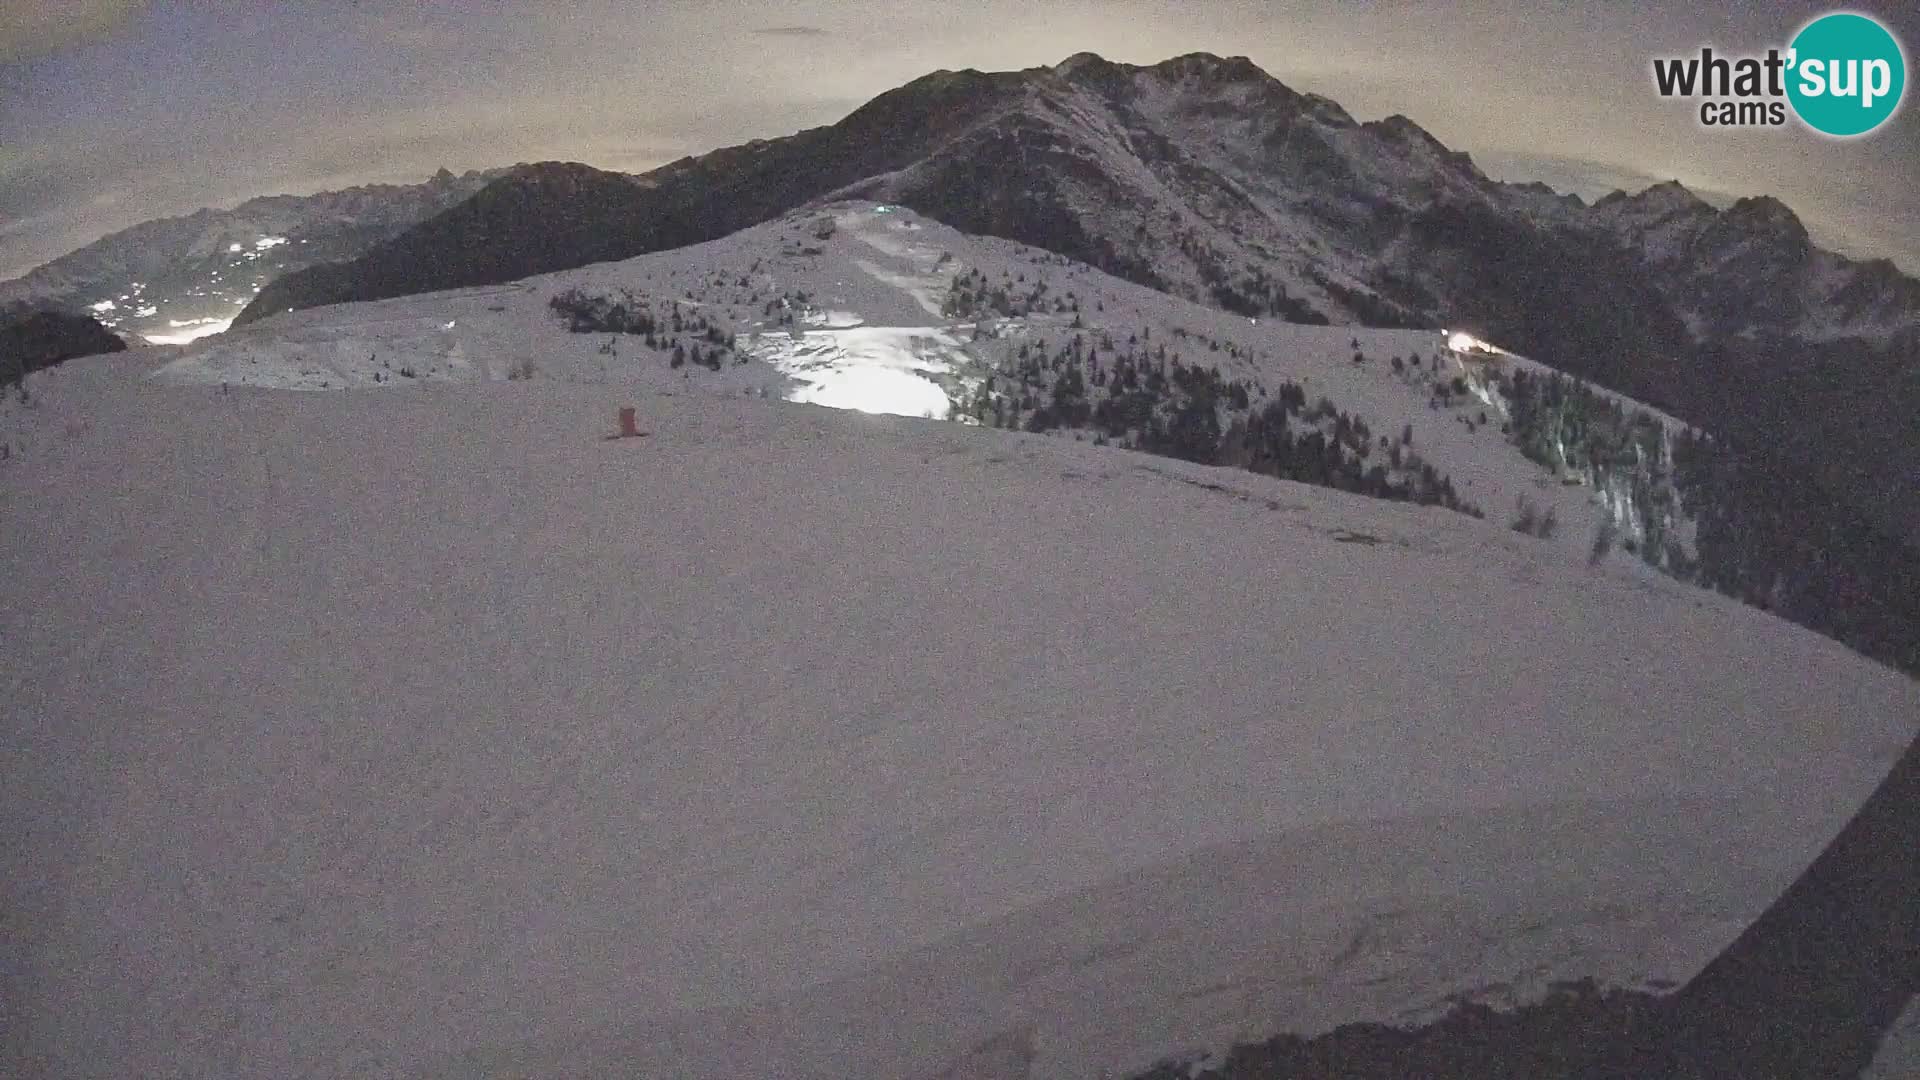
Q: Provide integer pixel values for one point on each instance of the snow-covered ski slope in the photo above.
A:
(863, 328)
(432, 733)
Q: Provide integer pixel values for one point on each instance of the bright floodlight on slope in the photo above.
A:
(1461, 342)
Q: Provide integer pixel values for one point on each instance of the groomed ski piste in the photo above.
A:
(420, 729)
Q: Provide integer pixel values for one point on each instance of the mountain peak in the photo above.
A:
(1211, 68)
(1198, 67)
(1765, 209)
(1767, 217)
(1403, 129)
(1659, 202)
(1080, 62)
(1671, 193)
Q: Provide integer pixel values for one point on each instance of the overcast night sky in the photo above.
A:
(116, 111)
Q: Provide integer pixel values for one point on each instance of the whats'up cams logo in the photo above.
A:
(1843, 75)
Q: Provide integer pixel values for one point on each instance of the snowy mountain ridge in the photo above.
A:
(874, 306)
(877, 308)
(1207, 178)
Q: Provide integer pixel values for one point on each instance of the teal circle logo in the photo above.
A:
(1847, 74)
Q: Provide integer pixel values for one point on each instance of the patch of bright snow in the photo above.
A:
(873, 369)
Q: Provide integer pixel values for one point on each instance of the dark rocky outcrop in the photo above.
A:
(30, 341)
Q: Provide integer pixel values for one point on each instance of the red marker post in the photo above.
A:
(627, 428)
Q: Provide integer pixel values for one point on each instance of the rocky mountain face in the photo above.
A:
(1202, 175)
(180, 277)
(1751, 269)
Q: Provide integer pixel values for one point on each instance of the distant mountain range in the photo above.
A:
(184, 277)
(1201, 176)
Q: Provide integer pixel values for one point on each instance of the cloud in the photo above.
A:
(31, 28)
(791, 31)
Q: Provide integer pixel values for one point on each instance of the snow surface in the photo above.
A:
(433, 734)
